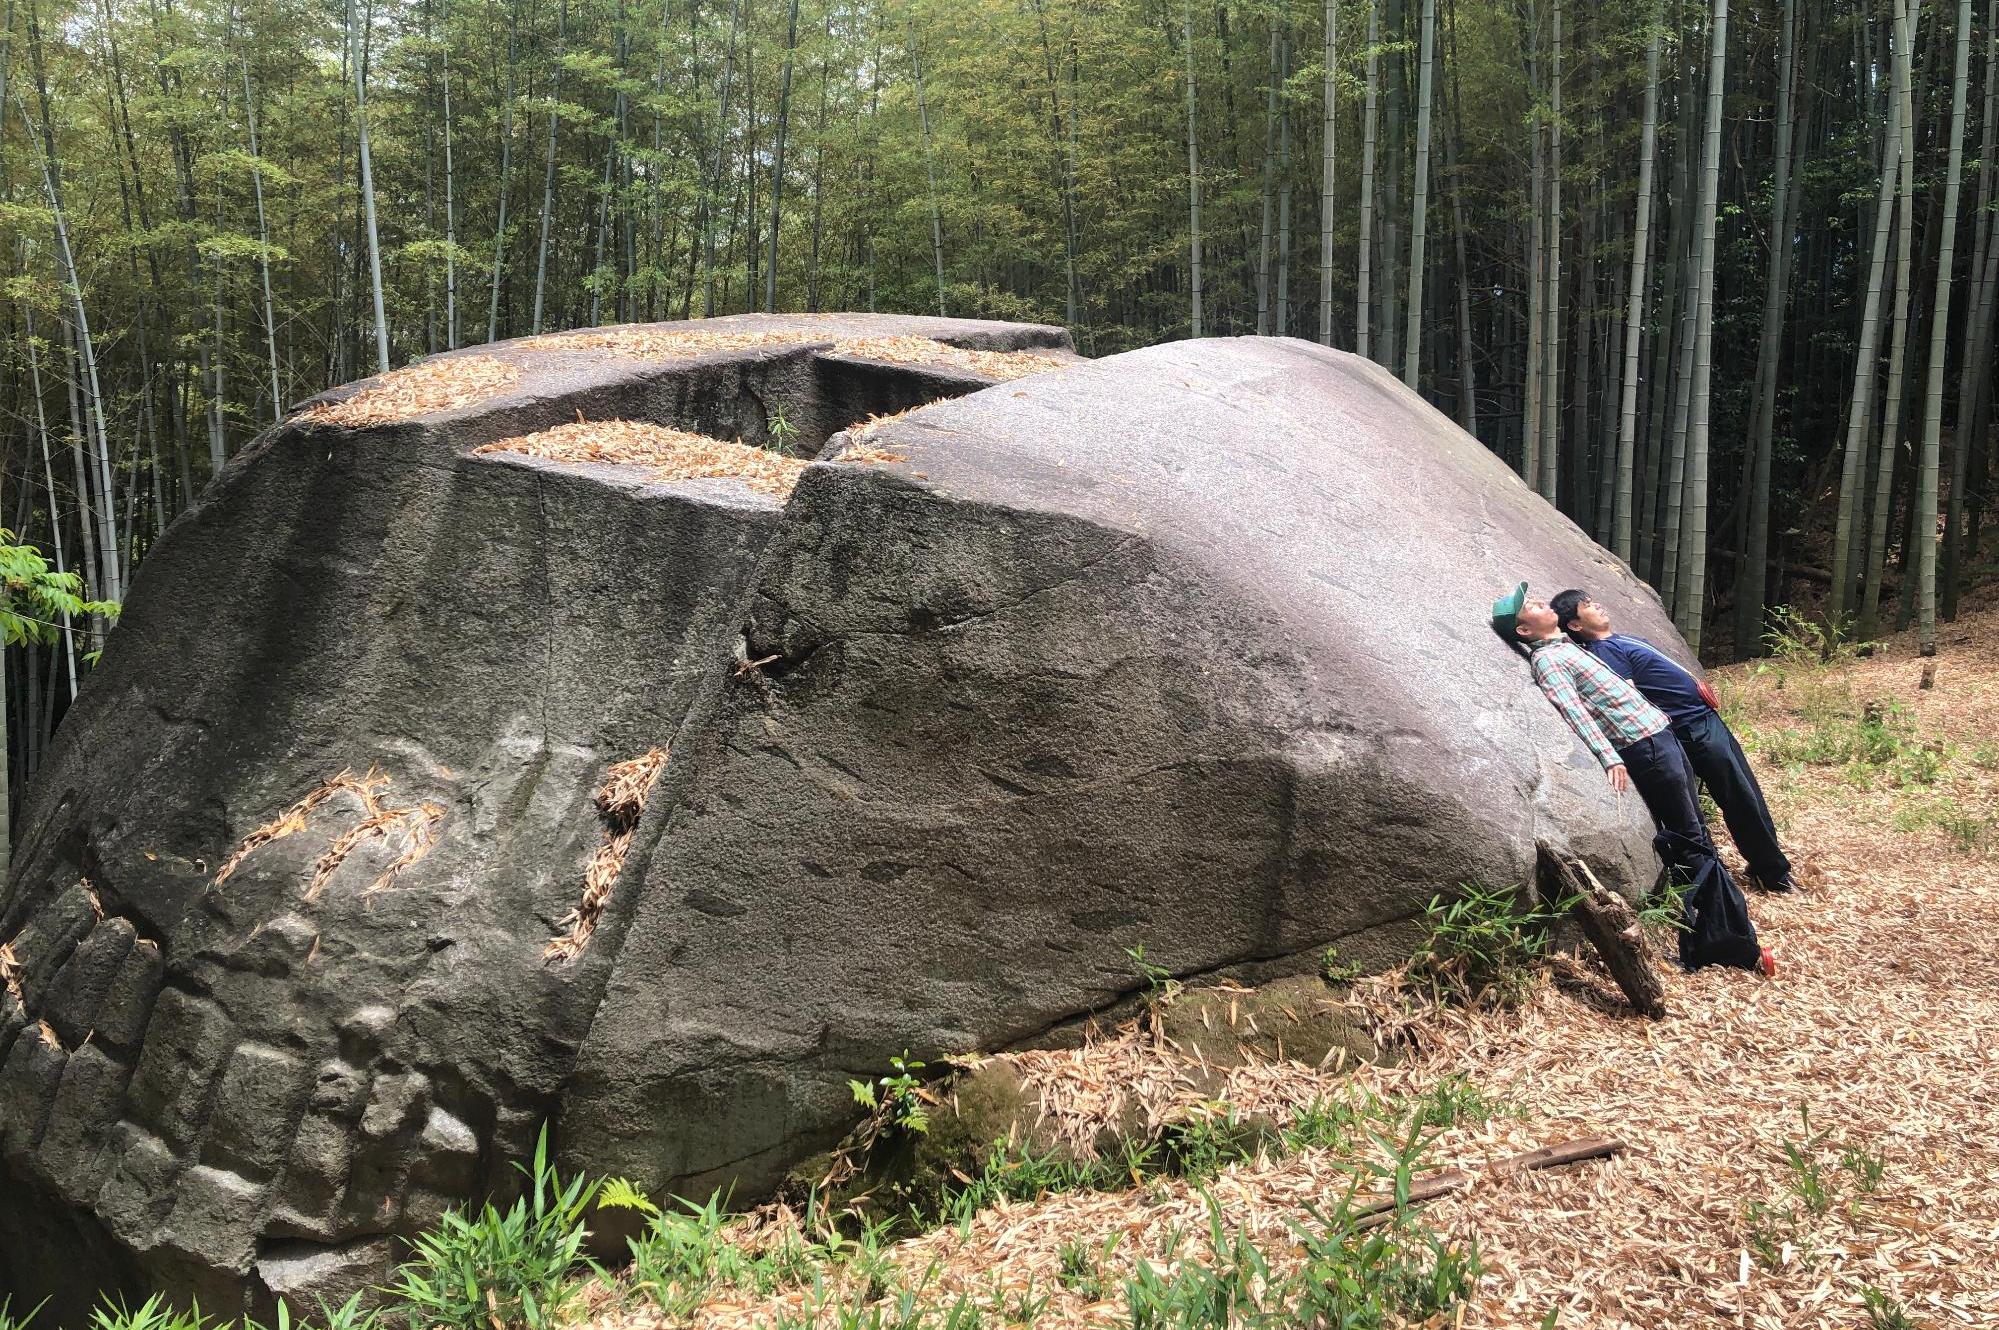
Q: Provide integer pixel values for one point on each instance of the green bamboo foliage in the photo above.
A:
(214, 210)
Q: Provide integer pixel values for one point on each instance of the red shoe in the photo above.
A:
(1767, 963)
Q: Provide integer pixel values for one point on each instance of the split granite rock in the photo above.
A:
(1184, 647)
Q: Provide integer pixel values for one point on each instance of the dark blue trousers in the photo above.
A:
(1716, 929)
(1718, 760)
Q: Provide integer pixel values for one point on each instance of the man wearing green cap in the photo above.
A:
(1634, 743)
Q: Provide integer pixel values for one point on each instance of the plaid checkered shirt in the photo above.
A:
(1605, 711)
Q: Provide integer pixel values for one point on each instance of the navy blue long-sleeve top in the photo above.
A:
(1665, 682)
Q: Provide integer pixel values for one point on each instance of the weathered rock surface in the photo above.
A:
(1186, 647)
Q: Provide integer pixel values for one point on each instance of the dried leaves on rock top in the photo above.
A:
(861, 446)
(1000, 365)
(416, 390)
(667, 344)
(868, 455)
(669, 454)
(451, 382)
(620, 800)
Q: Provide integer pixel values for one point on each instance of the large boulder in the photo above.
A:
(432, 790)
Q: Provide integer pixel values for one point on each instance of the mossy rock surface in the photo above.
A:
(1301, 1019)
(1207, 1031)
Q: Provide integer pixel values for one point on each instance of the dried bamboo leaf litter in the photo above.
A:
(668, 454)
(662, 344)
(417, 826)
(1003, 366)
(292, 820)
(861, 446)
(416, 390)
(1884, 1019)
(620, 801)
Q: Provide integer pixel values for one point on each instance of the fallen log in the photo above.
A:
(1613, 929)
(1381, 1209)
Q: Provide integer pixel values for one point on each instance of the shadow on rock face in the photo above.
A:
(1089, 655)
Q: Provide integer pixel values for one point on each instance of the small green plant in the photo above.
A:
(1884, 1312)
(1393, 1273)
(868, 1259)
(1967, 831)
(1482, 944)
(1082, 1268)
(895, 1100)
(1808, 1179)
(37, 603)
(1012, 1171)
(155, 1313)
(1024, 1307)
(1872, 743)
(1209, 1141)
(1666, 913)
(1160, 984)
(1336, 971)
(1814, 1190)
(349, 1315)
(9, 1321)
(1323, 1125)
(1916, 763)
(680, 1256)
(1234, 1286)
(509, 1268)
(1798, 642)
(1768, 1230)
(1866, 1167)
(783, 434)
(1455, 1100)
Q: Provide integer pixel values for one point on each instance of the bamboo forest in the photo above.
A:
(968, 664)
(1718, 282)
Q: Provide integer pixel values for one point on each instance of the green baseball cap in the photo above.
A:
(1506, 610)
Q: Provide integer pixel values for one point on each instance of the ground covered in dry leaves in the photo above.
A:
(1753, 1112)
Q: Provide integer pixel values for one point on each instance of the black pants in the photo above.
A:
(1718, 760)
(1716, 929)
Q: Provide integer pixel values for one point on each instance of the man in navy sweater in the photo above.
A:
(1710, 746)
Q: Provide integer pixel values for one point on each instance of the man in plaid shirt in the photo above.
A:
(1633, 741)
(1693, 711)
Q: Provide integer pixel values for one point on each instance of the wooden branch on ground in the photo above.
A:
(1380, 1210)
(1612, 928)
